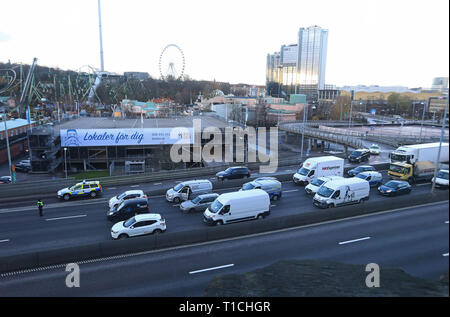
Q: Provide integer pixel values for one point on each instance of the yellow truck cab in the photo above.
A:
(411, 173)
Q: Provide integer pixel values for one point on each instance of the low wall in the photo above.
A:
(168, 239)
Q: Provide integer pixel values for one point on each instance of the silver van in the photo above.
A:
(188, 190)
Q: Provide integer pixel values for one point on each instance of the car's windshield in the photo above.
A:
(129, 222)
(391, 185)
(121, 206)
(215, 206)
(362, 176)
(248, 186)
(325, 191)
(178, 187)
(375, 147)
(228, 170)
(303, 171)
(317, 182)
(121, 196)
(443, 175)
(356, 153)
(196, 200)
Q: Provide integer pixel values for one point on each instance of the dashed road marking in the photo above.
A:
(68, 217)
(134, 185)
(445, 254)
(5, 240)
(156, 184)
(289, 191)
(356, 240)
(212, 268)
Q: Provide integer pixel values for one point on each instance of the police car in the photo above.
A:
(92, 189)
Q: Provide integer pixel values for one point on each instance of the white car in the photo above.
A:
(129, 194)
(138, 225)
(442, 179)
(374, 149)
(313, 187)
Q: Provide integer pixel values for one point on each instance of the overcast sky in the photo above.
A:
(393, 42)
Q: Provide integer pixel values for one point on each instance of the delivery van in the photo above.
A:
(238, 206)
(316, 167)
(342, 192)
(270, 186)
(188, 190)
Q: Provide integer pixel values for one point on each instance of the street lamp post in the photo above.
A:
(423, 117)
(433, 185)
(7, 144)
(65, 161)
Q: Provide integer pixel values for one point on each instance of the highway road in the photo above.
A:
(415, 239)
(84, 221)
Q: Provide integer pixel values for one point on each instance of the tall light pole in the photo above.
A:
(423, 117)
(440, 145)
(65, 161)
(7, 144)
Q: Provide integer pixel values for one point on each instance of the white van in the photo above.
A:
(313, 187)
(342, 192)
(238, 206)
(270, 186)
(316, 167)
(188, 190)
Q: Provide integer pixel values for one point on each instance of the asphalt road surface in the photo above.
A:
(84, 221)
(414, 239)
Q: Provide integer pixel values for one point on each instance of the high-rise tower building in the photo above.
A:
(299, 68)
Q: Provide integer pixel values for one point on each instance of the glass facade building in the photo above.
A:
(299, 68)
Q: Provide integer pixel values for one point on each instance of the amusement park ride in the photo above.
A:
(80, 87)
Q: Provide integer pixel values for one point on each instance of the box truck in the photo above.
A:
(316, 167)
(420, 171)
(342, 192)
(419, 153)
(238, 206)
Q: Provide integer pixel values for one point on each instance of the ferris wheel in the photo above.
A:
(171, 62)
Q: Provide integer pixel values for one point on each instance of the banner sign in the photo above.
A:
(125, 137)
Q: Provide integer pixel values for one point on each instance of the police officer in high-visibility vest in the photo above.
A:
(40, 205)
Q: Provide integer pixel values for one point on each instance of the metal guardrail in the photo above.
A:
(348, 140)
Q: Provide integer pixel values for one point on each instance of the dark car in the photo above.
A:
(360, 169)
(233, 173)
(394, 187)
(5, 179)
(128, 209)
(358, 156)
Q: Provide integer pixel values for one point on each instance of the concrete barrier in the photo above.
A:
(171, 239)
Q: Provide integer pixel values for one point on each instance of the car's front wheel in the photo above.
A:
(123, 236)
(93, 194)
(66, 197)
(157, 231)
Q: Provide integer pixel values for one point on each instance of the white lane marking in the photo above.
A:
(446, 222)
(177, 182)
(134, 185)
(212, 268)
(426, 184)
(445, 254)
(289, 191)
(273, 205)
(68, 217)
(356, 240)
(156, 184)
(6, 240)
(177, 205)
(212, 178)
(111, 188)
